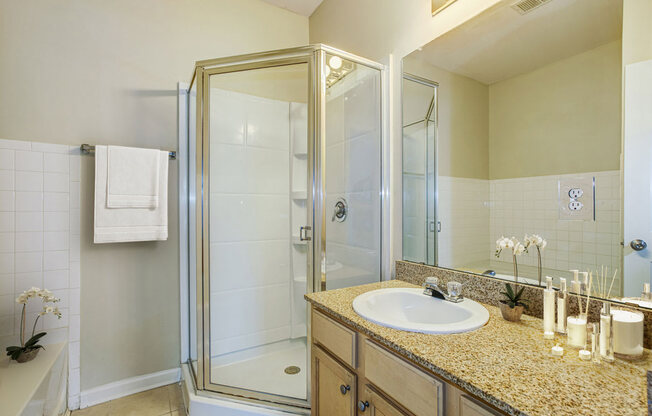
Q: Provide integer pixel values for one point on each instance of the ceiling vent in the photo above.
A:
(526, 6)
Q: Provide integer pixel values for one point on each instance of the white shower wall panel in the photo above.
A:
(249, 264)
(261, 165)
(249, 221)
(241, 217)
(249, 317)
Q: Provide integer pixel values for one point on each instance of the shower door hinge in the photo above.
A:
(305, 233)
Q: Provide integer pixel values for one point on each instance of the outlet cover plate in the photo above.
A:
(584, 186)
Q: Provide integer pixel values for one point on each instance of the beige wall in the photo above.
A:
(105, 71)
(463, 121)
(561, 118)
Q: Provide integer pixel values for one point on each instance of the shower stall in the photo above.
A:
(285, 198)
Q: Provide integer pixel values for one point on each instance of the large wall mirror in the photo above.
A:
(513, 127)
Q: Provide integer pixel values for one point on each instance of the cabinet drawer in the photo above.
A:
(414, 389)
(335, 337)
(469, 407)
(333, 386)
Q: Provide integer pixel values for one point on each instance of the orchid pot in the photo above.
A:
(28, 349)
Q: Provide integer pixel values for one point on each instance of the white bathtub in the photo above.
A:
(38, 387)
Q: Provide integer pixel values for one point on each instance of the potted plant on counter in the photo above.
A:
(28, 350)
(513, 305)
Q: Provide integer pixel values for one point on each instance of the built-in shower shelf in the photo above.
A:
(299, 194)
(300, 279)
(301, 155)
(297, 241)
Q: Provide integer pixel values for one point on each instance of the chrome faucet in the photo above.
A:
(431, 288)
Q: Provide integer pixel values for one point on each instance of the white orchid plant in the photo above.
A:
(49, 301)
(538, 242)
(516, 247)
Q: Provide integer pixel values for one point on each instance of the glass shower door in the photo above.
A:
(258, 182)
(351, 163)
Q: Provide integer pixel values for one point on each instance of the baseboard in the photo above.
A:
(128, 386)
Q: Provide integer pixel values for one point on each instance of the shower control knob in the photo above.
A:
(344, 389)
(340, 210)
(638, 245)
(363, 405)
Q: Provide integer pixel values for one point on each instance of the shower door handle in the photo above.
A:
(304, 233)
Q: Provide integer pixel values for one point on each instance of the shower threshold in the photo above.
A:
(263, 369)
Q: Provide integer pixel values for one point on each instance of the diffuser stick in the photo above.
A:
(613, 279)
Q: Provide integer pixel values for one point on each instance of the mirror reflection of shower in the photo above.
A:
(420, 224)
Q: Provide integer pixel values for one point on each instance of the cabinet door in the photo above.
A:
(469, 407)
(333, 386)
(373, 404)
(418, 392)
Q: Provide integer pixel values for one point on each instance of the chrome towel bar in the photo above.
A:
(89, 149)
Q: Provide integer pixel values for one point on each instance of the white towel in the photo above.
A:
(133, 176)
(113, 225)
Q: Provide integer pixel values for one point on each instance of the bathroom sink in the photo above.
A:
(411, 310)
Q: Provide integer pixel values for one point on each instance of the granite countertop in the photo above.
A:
(507, 364)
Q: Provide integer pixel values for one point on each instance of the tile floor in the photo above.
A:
(162, 401)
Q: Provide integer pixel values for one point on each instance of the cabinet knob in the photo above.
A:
(363, 405)
(344, 389)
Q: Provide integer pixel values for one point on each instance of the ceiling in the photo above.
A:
(501, 43)
(302, 7)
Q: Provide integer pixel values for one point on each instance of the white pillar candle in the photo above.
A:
(628, 332)
(576, 327)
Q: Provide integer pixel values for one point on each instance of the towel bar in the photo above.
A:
(88, 149)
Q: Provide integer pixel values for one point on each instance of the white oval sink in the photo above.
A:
(411, 310)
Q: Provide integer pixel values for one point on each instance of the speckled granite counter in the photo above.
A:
(507, 364)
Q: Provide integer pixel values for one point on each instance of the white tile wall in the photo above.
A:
(464, 215)
(531, 205)
(39, 241)
(470, 209)
(249, 221)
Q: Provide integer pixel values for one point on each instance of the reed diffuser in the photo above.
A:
(604, 283)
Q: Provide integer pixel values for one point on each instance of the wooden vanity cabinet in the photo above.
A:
(333, 386)
(353, 375)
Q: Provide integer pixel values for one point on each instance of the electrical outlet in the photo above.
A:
(576, 197)
(575, 193)
(575, 205)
